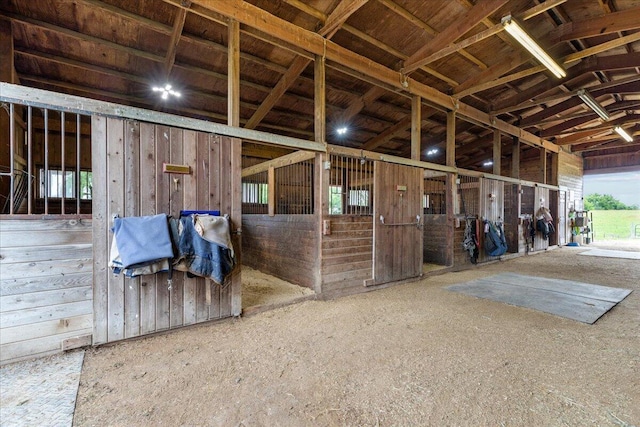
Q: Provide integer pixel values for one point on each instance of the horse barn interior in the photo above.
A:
(352, 145)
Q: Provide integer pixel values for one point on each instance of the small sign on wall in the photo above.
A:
(173, 168)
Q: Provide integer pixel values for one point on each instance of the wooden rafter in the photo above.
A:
(395, 130)
(492, 30)
(463, 90)
(605, 24)
(427, 28)
(450, 34)
(178, 25)
(572, 102)
(537, 93)
(340, 14)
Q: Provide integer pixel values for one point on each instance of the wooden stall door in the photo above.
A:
(129, 180)
(397, 233)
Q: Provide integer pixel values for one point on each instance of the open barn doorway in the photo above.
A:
(437, 253)
(279, 226)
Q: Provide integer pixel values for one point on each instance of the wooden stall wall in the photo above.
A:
(347, 254)
(437, 228)
(285, 246)
(435, 242)
(512, 224)
(45, 287)
(570, 175)
(491, 208)
(128, 159)
(468, 203)
(541, 195)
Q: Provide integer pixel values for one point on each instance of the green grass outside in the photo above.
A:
(615, 224)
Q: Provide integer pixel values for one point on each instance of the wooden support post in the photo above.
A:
(515, 158)
(554, 169)
(451, 197)
(7, 74)
(416, 125)
(319, 100)
(543, 165)
(497, 152)
(271, 191)
(233, 78)
(451, 138)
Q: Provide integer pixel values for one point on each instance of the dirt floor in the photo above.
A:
(412, 354)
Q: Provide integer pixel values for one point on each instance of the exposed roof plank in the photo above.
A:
(450, 34)
(631, 87)
(427, 28)
(401, 127)
(341, 13)
(606, 24)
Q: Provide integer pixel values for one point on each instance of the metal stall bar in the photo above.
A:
(78, 180)
(64, 176)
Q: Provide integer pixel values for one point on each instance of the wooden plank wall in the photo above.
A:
(570, 174)
(435, 240)
(397, 242)
(127, 160)
(539, 243)
(512, 227)
(460, 256)
(629, 159)
(45, 287)
(491, 208)
(285, 246)
(347, 254)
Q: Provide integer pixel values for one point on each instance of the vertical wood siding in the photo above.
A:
(539, 243)
(45, 287)
(491, 208)
(397, 241)
(128, 181)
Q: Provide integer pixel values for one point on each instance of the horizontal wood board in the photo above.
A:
(46, 292)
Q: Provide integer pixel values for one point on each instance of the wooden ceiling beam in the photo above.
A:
(178, 25)
(395, 52)
(606, 24)
(589, 65)
(87, 38)
(577, 137)
(450, 34)
(631, 87)
(399, 128)
(610, 144)
(492, 30)
(315, 44)
(399, 10)
(462, 91)
(341, 13)
(539, 101)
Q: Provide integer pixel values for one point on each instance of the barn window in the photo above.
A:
(335, 200)
(350, 185)
(61, 184)
(255, 193)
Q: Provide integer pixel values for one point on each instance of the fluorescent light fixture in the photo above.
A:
(432, 152)
(488, 163)
(518, 33)
(342, 131)
(166, 90)
(623, 133)
(593, 104)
